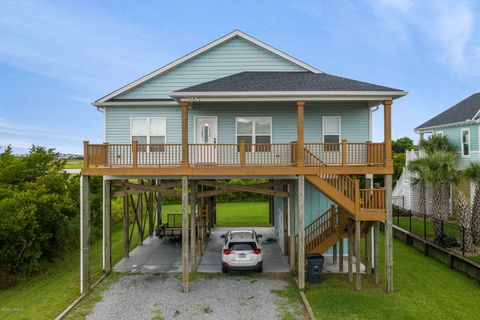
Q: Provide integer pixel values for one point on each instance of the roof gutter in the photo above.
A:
(454, 124)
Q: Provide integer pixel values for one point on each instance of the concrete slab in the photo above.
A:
(330, 267)
(161, 255)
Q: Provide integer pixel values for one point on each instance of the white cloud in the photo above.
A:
(449, 28)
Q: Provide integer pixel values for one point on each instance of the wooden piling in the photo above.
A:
(185, 266)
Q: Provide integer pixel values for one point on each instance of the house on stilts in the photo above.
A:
(238, 108)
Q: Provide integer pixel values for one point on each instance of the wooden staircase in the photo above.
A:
(361, 204)
(325, 231)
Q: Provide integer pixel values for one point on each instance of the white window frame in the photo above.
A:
(439, 133)
(469, 144)
(253, 129)
(339, 119)
(148, 124)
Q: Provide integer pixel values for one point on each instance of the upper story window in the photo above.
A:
(148, 131)
(465, 142)
(255, 130)
(331, 128)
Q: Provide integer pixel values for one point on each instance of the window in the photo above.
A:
(439, 133)
(151, 131)
(331, 132)
(465, 142)
(255, 130)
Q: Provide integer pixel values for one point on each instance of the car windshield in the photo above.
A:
(241, 246)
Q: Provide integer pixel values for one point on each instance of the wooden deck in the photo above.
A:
(235, 159)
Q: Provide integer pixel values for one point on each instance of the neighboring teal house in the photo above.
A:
(238, 108)
(461, 124)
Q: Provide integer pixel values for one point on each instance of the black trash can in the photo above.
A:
(314, 268)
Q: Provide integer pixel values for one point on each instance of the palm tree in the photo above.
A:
(472, 172)
(419, 181)
(464, 219)
(439, 168)
(437, 143)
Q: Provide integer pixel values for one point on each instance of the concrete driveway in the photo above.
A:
(160, 255)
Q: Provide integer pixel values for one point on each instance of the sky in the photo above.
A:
(56, 57)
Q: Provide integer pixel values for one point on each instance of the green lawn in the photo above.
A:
(423, 289)
(418, 228)
(74, 164)
(233, 214)
(46, 295)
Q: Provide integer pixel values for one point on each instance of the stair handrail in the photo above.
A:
(313, 156)
(321, 228)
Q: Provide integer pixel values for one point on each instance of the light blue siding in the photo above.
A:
(455, 136)
(354, 120)
(233, 56)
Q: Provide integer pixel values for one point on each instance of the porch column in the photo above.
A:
(358, 277)
(291, 200)
(107, 226)
(387, 136)
(184, 110)
(185, 266)
(388, 236)
(376, 253)
(84, 234)
(301, 232)
(300, 133)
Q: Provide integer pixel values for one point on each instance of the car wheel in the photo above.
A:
(260, 267)
(224, 269)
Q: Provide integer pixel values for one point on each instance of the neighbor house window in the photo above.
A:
(150, 131)
(465, 142)
(255, 130)
(439, 133)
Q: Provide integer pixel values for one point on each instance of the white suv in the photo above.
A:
(242, 251)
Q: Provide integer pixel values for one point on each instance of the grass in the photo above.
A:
(423, 289)
(291, 306)
(74, 164)
(233, 214)
(45, 295)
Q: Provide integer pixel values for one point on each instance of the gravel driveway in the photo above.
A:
(214, 296)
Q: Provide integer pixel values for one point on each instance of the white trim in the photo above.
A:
(447, 125)
(148, 123)
(201, 50)
(253, 128)
(461, 143)
(136, 103)
(195, 127)
(105, 124)
(339, 119)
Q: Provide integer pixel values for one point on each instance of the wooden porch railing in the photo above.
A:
(241, 154)
(321, 229)
(372, 199)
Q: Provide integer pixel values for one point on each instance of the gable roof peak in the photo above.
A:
(200, 50)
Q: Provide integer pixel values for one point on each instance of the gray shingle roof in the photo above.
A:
(462, 111)
(284, 81)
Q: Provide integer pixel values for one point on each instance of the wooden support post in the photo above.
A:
(376, 252)
(107, 226)
(301, 232)
(286, 242)
(344, 153)
(85, 154)
(134, 153)
(84, 234)
(140, 219)
(184, 110)
(291, 200)
(159, 205)
(340, 255)
(334, 256)
(300, 134)
(185, 266)
(388, 236)
(368, 250)
(126, 224)
(193, 227)
(387, 136)
(350, 250)
(358, 279)
(243, 151)
(357, 197)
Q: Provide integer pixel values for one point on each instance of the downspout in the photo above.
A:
(104, 111)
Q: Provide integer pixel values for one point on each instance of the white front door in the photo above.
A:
(206, 139)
